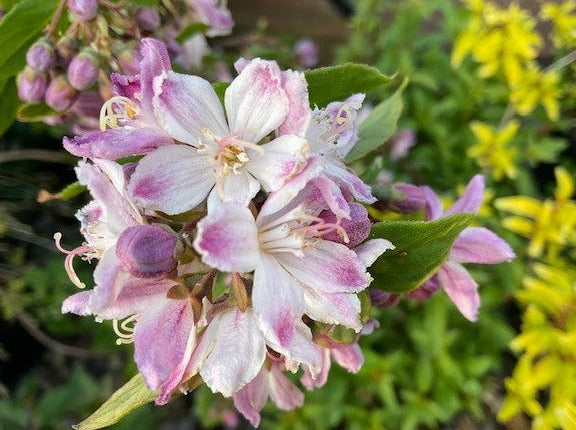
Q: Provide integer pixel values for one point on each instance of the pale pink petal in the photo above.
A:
(277, 300)
(155, 61)
(433, 208)
(126, 86)
(252, 397)
(335, 308)
(322, 377)
(480, 245)
(328, 267)
(237, 355)
(173, 179)
(471, 200)
(349, 357)
(108, 279)
(461, 288)
(187, 108)
(282, 158)
(163, 341)
(283, 392)
(300, 350)
(369, 251)
(255, 101)
(333, 196)
(239, 187)
(299, 113)
(426, 290)
(227, 239)
(117, 142)
(350, 183)
(77, 303)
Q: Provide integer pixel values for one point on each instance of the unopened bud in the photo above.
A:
(60, 95)
(83, 70)
(83, 10)
(147, 18)
(383, 299)
(357, 228)
(32, 85)
(307, 52)
(407, 198)
(40, 56)
(129, 60)
(400, 144)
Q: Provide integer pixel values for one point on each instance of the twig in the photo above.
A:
(562, 62)
(55, 19)
(31, 326)
(35, 154)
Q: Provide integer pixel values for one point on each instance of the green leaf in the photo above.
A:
(34, 112)
(380, 125)
(127, 398)
(191, 30)
(15, 62)
(421, 247)
(335, 83)
(220, 88)
(22, 23)
(546, 150)
(9, 103)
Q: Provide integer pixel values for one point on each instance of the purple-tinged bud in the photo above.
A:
(407, 198)
(383, 299)
(129, 60)
(400, 143)
(307, 52)
(83, 10)
(83, 70)
(426, 290)
(40, 56)
(147, 18)
(357, 228)
(147, 251)
(32, 85)
(60, 95)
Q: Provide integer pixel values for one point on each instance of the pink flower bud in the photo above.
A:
(147, 251)
(83, 10)
(147, 18)
(383, 299)
(83, 70)
(357, 227)
(129, 60)
(40, 56)
(307, 52)
(32, 85)
(60, 95)
(407, 198)
(400, 143)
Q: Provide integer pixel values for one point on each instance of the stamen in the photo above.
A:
(70, 258)
(125, 330)
(109, 117)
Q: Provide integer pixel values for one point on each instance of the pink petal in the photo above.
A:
(252, 397)
(77, 304)
(238, 187)
(426, 290)
(461, 288)
(357, 227)
(155, 61)
(369, 251)
(283, 392)
(350, 357)
(107, 277)
(322, 377)
(335, 308)
(283, 158)
(117, 142)
(187, 108)
(163, 341)
(173, 179)
(328, 267)
(480, 245)
(237, 355)
(433, 208)
(471, 199)
(126, 86)
(227, 239)
(350, 183)
(255, 101)
(277, 300)
(300, 350)
(333, 196)
(299, 113)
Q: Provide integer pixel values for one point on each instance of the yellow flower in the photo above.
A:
(492, 151)
(535, 88)
(563, 17)
(549, 224)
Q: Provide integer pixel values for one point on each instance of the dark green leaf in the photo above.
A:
(9, 103)
(21, 24)
(335, 83)
(191, 30)
(15, 62)
(34, 112)
(220, 88)
(127, 398)
(380, 125)
(421, 247)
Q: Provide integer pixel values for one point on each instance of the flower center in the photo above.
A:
(116, 110)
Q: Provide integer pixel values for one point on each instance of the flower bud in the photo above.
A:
(357, 228)
(400, 143)
(147, 251)
(83, 70)
(83, 10)
(383, 299)
(147, 18)
(32, 85)
(407, 198)
(129, 60)
(307, 52)
(60, 95)
(40, 56)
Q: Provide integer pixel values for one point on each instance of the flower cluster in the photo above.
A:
(69, 71)
(234, 249)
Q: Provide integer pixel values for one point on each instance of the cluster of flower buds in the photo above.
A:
(71, 70)
(234, 249)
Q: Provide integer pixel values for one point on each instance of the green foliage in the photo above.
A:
(421, 247)
(9, 105)
(339, 82)
(34, 112)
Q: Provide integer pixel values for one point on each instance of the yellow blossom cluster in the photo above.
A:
(493, 151)
(563, 18)
(549, 225)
